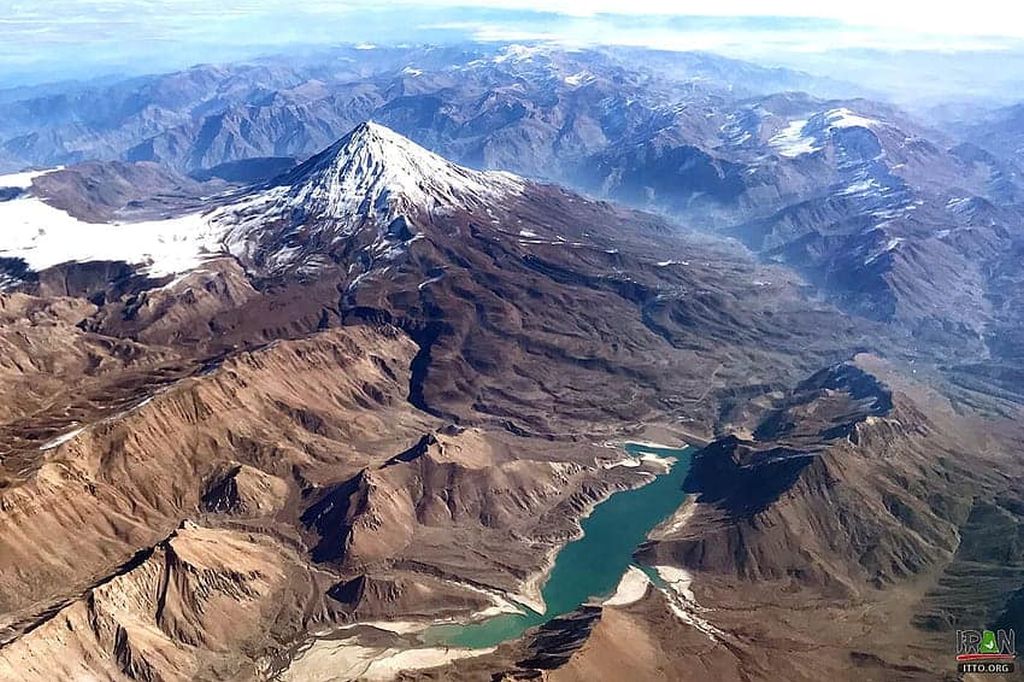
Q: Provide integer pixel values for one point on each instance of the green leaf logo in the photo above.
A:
(988, 643)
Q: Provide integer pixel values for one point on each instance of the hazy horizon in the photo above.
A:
(953, 52)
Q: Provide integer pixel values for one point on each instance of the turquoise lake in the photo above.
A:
(591, 566)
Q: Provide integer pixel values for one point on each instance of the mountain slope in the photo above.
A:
(369, 334)
(381, 383)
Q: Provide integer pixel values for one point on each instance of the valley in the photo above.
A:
(592, 565)
(340, 403)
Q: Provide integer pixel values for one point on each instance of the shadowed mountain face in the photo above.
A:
(376, 381)
(849, 489)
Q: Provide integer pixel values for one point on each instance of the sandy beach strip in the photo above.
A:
(632, 588)
(328, 660)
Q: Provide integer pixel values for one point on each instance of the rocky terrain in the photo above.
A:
(884, 214)
(492, 102)
(839, 514)
(271, 419)
(427, 368)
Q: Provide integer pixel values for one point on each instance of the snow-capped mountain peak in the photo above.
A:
(375, 172)
(362, 183)
(368, 190)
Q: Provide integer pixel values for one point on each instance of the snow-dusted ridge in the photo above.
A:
(806, 136)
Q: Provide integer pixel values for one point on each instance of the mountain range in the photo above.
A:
(338, 344)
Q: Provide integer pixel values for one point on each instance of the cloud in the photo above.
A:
(748, 36)
(976, 18)
(71, 38)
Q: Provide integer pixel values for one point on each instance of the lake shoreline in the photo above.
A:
(592, 565)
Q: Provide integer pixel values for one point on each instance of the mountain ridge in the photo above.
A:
(387, 389)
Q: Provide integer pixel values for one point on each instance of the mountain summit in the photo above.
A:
(373, 181)
(374, 171)
(365, 196)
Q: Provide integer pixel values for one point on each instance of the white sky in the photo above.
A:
(978, 17)
(57, 39)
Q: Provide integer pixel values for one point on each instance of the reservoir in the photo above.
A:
(592, 565)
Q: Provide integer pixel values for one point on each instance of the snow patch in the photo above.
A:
(375, 172)
(24, 179)
(844, 118)
(367, 180)
(60, 440)
(801, 136)
(861, 187)
(517, 53)
(953, 204)
(44, 236)
(791, 141)
(427, 282)
(890, 245)
(578, 79)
